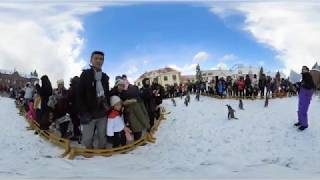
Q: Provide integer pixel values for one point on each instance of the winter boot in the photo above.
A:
(297, 124)
(302, 128)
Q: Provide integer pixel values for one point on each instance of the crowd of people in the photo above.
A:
(242, 87)
(97, 113)
(90, 110)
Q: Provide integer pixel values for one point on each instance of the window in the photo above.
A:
(155, 79)
(239, 72)
(174, 77)
(210, 74)
(138, 83)
(165, 78)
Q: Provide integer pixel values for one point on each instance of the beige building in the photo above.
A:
(188, 78)
(165, 76)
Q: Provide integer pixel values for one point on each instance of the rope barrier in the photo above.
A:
(274, 96)
(76, 151)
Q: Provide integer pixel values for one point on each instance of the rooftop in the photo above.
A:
(158, 71)
(9, 72)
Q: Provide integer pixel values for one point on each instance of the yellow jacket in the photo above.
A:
(37, 102)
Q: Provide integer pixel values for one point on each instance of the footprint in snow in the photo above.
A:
(206, 164)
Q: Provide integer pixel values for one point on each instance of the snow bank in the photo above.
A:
(194, 142)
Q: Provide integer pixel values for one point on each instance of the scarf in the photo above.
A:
(99, 87)
(113, 114)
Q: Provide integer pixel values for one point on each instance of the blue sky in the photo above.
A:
(138, 38)
(57, 37)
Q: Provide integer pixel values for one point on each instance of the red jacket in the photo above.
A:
(240, 84)
(113, 113)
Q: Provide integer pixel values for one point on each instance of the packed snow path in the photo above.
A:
(194, 141)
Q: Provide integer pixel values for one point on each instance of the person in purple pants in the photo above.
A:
(305, 96)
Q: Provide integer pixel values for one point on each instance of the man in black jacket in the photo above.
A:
(262, 84)
(149, 99)
(158, 92)
(94, 101)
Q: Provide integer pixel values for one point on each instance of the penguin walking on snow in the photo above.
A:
(241, 104)
(266, 102)
(231, 112)
(198, 96)
(173, 102)
(186, 102)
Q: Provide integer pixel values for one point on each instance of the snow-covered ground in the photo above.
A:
(194, 142)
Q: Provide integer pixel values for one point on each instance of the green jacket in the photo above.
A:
(137, 116)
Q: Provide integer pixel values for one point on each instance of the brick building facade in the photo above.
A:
(15, 80)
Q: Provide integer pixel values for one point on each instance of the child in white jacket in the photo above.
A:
(115, 124)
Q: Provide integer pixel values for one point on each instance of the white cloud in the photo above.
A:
(291, 29)
(200, 57)
(133, 66)
(221, 66)
(46, 38)
(132, 70)
(139, 64)
(228, 57)
(222, 61)
(188, 69)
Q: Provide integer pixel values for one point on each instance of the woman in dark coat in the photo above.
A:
(262, 84)
(148, 99)
(73, 107)
(248, 86)
(45, 93)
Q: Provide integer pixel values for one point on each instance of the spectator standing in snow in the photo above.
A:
(148, 98)
(73, 107)
(305, 96)
(28, 95)
(221, 87)
(248, 86)
(37, 102)
(116, 125)
(45, 93)
(158, 92)
(262, 84)
(61, 108)
(93, 99)
(255, 86)
(135, 113)
(241, 85)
